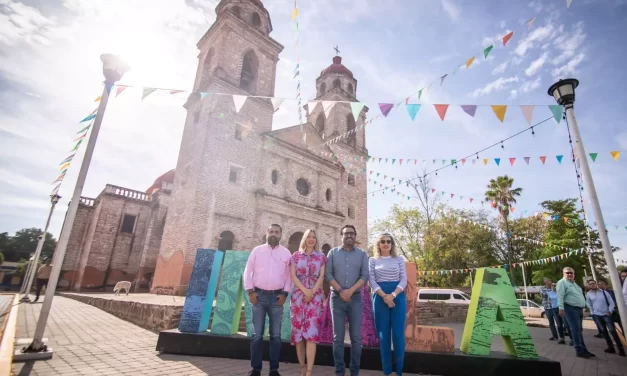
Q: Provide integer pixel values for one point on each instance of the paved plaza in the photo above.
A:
(88, 341)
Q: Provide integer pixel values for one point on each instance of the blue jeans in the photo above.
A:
(550, 315)
(574, 317)
(266, 305)
(390, 325)
(605, 324)
(340, 310)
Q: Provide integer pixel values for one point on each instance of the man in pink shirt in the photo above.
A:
(267, 281)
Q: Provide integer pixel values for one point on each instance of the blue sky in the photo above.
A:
(50, 73)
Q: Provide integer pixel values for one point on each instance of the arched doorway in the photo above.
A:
(326, 248)
(294, 241)
(226, 241)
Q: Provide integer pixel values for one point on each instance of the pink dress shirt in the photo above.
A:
(268, 269)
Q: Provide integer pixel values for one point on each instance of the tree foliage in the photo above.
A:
(24, 243)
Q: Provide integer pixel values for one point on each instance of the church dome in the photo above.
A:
(168, 177)
(337, 67)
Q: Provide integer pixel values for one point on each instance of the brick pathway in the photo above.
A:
(5, 307)
(88, 341)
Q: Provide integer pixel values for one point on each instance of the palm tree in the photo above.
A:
(501, 194)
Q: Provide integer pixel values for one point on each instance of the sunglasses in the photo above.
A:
(349, 234)
(385, 241)
(569, 273)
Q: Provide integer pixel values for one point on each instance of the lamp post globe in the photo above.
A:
(113, 67)
(564, 91)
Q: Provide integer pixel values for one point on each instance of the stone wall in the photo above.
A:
(440, 313)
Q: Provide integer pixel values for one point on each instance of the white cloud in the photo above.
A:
(538, 35)
(529, 86)
(569, 44)
(496, 85)
(450, 9)
(536, 65)
(500, 68)
(570, 67)
(622, 140)
(22, 23)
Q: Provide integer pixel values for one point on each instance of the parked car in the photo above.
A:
(531, 309)
(443, 295)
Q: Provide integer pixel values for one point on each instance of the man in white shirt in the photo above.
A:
(601, 308)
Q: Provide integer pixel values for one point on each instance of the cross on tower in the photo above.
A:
(337, 51)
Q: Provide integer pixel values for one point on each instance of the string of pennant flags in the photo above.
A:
(297, 76)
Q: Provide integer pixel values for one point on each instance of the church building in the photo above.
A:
(235, 175)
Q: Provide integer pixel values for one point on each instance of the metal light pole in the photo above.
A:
(113, 70)
(33, 267)
(564, 93)
(27, 273)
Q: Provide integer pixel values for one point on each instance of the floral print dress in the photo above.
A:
(306, 316)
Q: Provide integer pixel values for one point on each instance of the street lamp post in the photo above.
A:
(113, 70)
(564, 93)
(32, 270)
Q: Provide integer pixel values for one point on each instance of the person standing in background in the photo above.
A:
(616, 317)
(548, 307)
(388, 279)
(561, 323)
(43, 275)
(601, 308)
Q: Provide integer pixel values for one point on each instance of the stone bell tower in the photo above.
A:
(337, 84)
(220, 146)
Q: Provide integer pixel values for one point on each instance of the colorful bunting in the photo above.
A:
(469, 109)
(499, 111)
(88, 118)
(294, 14)
(413, 109)
(526, 160)
(507, 38)
(530, 22)
(497, 161)
(556, 109)
(442, 79)
(486, 52)
(119, 90)
(356, 108)
(238, 101)
(441, 109)
(593, 156)
(511, 161)
(327, 106)
(147, 91)
(543, 159)
(527, 112)
(485, 161)
(385, 108)
(559, 158)
(469, 62)
(615, 154)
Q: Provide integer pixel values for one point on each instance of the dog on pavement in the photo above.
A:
(126, 285)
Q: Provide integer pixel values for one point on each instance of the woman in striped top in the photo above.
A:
(388, 280)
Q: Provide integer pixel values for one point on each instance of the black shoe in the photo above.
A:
(585, 356)
(621, 352)
(571, 343)
(274, 373)
(610, 350)
(552, 338)
(590, 354)
(254, 373)
(561, 342)
(599, 335)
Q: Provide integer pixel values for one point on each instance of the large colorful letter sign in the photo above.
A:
(228, 310)
(494, 310)
(201, 291)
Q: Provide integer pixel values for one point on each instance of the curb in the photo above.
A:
(8, 339)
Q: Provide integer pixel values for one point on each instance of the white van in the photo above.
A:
(443, 295)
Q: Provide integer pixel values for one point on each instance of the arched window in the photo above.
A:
(294, 241)
(205, 73)
(274, 177)
(320, 123)
(249, 71)
(256, 19)
(328, 194)
(236, 11)
(302, 186)
(226, 241)
(350, 126)
(337, 84)
(323, 88)
(350, 88)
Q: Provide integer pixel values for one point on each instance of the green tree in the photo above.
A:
(502, 196)
(24, 243)
(407, 226)
(567, 230)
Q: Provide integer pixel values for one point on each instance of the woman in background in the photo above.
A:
(307, 270)
(388, 280)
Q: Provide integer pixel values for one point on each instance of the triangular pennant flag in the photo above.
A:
(452, 194)
(527, 160)
(294, 14)
(203, 94)
(88, 118)
(511, 161)
(356, 108)
(530, 22)
(527, 111)
(98, 98)
(463, 161)
(593, 156)
(559, 158)
(469, 109)
(176, 91)
(507, 38)
(469, 62)
(77, 145)
(327, 106)
(413, 109)
(497, 161)
(485, 161)
(615, 154)
(147, 91)
(119, 90)
(543, 159)
(556, 109)
(239, 101)
(471, 200)
(420, 93)
(442, 79)
(64, 166)
(499, 111)
(311, 105)
(568, 3)
(385, 108)
(276, 103)
(441, 109)
(486, 52)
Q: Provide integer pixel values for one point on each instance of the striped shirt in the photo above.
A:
(387, 269)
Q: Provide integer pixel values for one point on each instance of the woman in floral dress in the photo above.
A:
(307, 270)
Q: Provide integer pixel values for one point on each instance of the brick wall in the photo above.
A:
(440, 313)
(75, 243)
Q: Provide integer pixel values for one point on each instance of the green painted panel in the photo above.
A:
(228, 308)
(494, 310)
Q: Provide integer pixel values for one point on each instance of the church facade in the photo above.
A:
(235, 175)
